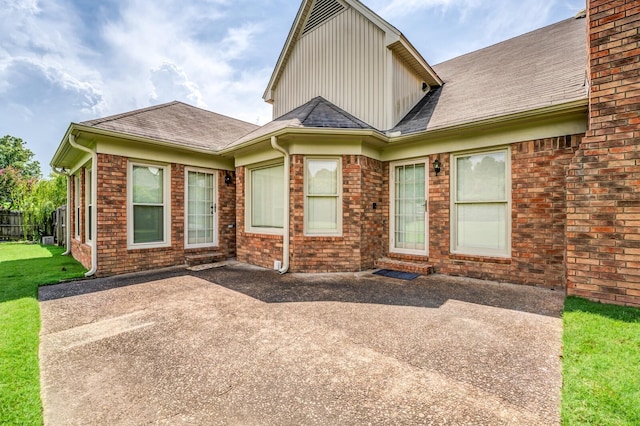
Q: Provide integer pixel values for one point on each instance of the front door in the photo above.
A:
(201, 209)
(409, 225)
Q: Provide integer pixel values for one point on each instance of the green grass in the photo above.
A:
(601, 364)
(22, 268)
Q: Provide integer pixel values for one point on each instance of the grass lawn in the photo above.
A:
(22, 268)
(601, 366)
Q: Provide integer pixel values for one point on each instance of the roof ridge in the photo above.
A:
(103, 120)
(315, 100)
(213, 112)
(348, 115)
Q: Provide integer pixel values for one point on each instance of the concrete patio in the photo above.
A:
(241, 345)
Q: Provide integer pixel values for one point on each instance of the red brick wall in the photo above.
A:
(328, 254)
(603, 238)
(113, 255)
(361, 242)
(372, 223)
(80, 250)
(538, 218)
(256, 249)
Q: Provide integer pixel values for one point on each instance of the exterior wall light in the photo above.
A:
(437, 166)
(227, 178)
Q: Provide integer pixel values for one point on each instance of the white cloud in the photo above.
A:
(170, 80)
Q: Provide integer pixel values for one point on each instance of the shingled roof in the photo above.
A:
(317, 113)
(178, 123)
(541, 68)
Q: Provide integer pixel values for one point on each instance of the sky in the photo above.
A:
(64, 61)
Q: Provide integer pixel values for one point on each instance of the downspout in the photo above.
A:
(94, 203)
(285, 234)
(67, 219)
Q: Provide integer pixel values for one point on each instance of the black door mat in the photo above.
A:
(396, 274)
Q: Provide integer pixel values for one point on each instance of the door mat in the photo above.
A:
(396, 274)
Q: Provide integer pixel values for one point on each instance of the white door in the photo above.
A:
(201, 209)
(409, 224)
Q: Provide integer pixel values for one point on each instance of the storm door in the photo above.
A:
(200, 209)
(408, 213)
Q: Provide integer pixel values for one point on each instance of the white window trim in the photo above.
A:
(76, 207)
(87, 203)
(453, 194)
(166, 188)
(328, 233)
(392, 199)
(247, 200)
(216, 202)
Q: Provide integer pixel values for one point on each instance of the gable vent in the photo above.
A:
(322, 11)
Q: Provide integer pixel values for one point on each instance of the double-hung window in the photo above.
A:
(148, 205)
(322, 196)
(481, 200)
(88, 188)
(76, 204)
(265, 212)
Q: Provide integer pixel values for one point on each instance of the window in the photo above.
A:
(265, 186)
(76, 204)
(87, 200)
(148, 205)
(323, 207)
(201, 209)
(409, 225)
(481, 198)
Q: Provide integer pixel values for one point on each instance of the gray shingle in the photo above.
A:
(317, 113)
(542, 68)
(178, 123)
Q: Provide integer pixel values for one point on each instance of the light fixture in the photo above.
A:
(437, 166)
(227, 178)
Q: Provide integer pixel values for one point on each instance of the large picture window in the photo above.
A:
(149, 214)
(323, 207)
(481, 199)
(266, 199)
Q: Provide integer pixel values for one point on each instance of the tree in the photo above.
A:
(41, 200)
(18, 172)
(14, 153)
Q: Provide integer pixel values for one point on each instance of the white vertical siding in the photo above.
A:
(407, 89)
(343, 61)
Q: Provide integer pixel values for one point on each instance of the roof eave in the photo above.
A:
(574, 106)
(370, 133)
(76, 129)
(409, 54)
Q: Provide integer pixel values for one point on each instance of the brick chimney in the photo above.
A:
(603, 183)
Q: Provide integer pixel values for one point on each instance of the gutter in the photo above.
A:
(67, 219)
(285, 235)
(94, 203)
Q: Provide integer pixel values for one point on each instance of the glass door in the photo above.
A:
(409, 208)
(201, 209)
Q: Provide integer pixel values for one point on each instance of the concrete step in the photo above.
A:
(416, 267)
(204, 258)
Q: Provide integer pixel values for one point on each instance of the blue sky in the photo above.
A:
(65, 61)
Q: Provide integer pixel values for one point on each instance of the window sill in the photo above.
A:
(479, 258)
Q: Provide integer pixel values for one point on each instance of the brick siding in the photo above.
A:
(603, 238)
(256, 249)
(361, 242)
(113, 255)
(538, 170)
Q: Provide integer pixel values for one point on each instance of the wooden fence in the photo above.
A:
(12, 227)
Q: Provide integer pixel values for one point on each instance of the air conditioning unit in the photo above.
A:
(47, 240)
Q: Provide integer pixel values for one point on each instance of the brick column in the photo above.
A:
(603, 185)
